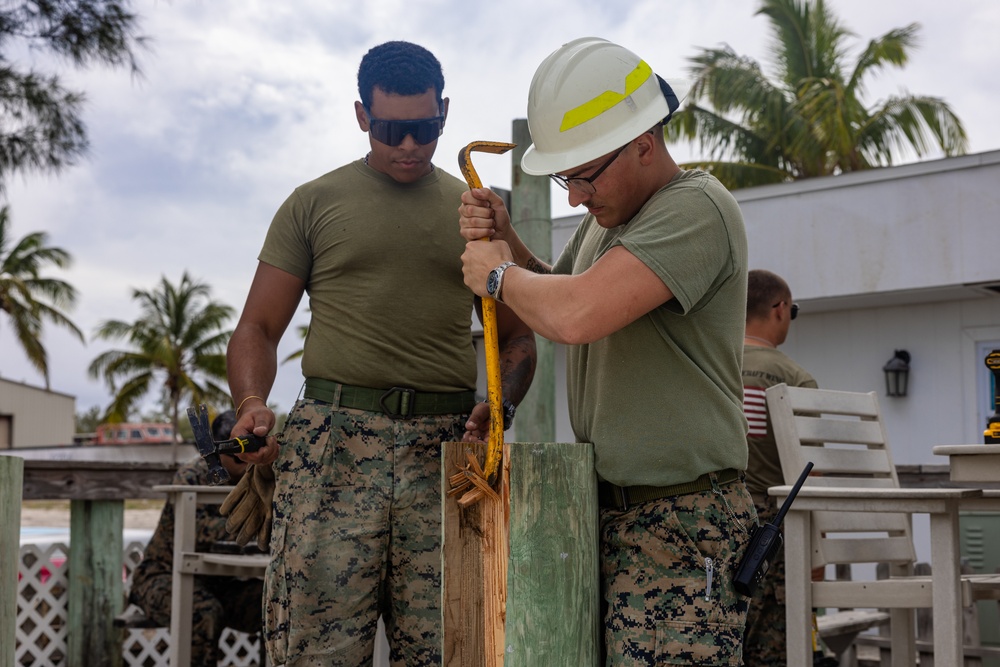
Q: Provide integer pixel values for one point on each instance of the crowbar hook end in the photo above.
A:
(465, 158)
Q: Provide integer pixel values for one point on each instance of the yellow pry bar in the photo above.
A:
(494, 390)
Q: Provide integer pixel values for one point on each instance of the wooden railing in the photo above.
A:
(97, 491)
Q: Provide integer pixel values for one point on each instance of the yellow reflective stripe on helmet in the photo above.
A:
(609, 98)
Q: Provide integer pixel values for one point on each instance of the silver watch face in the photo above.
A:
(492, 282)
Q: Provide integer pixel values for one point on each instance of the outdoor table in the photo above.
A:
(975, 466)
(972, 463)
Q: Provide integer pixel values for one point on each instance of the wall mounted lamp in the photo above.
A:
(897, 373)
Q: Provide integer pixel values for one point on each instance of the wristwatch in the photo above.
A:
(494, 282)
(508, 413)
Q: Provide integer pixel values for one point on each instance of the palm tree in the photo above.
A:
(178, 342)
(27, 297)
(811, 119)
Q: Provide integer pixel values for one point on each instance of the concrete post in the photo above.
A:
(531, 214)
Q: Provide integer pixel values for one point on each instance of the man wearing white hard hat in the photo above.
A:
(650, 297)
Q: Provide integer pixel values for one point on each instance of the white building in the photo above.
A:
(899, 258)
(34, 417)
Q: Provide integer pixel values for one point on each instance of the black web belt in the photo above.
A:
(396, 402)
(612, 496)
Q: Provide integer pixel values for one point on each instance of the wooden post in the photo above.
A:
(551, 614)
(553, 579)
(11, 476)
(474, 568)
(531, 215)
(95, 583)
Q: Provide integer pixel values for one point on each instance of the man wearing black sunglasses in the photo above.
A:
(649, 297)
(404, 129)
(390, 372)
(770, 311)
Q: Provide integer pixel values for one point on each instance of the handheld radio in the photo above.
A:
(764, 544)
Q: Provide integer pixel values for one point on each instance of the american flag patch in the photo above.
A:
(755, 409)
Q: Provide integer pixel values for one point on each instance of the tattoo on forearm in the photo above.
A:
(517, 367)
(537, 267)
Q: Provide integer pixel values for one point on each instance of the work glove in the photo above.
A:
(248, 506)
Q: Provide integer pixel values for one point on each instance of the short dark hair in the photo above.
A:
(764, 289)
(222, 425)
(399, 68)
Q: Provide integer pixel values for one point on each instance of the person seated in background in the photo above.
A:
(219, 602)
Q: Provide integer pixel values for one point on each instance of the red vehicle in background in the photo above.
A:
(134, 434)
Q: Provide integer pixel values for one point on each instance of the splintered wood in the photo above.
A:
(470, 481)
(474, 559)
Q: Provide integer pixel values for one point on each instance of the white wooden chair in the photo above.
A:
(189, 562)
(856, 512)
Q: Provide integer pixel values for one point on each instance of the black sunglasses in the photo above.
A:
(586, 185)
(794, 308)
(392, 132)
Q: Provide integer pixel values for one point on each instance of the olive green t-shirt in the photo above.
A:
(765, 367)
(661, 399)
(383, 270)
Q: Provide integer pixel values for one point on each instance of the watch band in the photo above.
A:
(509, 409)
(497, 277)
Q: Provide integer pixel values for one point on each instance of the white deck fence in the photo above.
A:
(41, 616)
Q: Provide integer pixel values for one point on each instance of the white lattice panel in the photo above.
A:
(41, 606)
(146, 647)
(41, 617)
(239, 649)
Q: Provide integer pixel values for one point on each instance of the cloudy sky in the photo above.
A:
(242, 100)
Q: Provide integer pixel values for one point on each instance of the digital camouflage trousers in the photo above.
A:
(666, 577)
(356, 535)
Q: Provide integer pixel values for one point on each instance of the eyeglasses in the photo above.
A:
(794, 308)
(392, 132)
(586, 185)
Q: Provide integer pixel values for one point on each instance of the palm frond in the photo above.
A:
(813, 121)
(891, 48)
(29, 298)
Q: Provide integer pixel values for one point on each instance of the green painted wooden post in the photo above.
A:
(95, 583)
(531, 214)
(553, 576)
(11, 480)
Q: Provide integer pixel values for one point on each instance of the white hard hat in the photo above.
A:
(588, 98)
